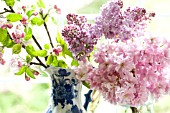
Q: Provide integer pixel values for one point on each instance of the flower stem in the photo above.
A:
(45, 25)
(35, 40)
(134, 110)
(41, 63)
(33, 37)
(46, 28)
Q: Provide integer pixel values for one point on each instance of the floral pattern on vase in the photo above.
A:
(66, 92)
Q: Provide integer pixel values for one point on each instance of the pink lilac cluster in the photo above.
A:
(121, 25)
(127, 73)
(82, 70)
(2, 61)
(79, 36)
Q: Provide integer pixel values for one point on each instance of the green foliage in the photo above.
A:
(14, 17)
(28, 33)
(21, 70)
(59, 39)
(29, 72)
(16, 49)
(37, 21)
(30, 12)
(47, 46)
(15, 102)
(65, 50)
(42, 72)
(74, 63)
(30, 50)
(28, 58)
(62, 64)
(40, 4)
(55, 61)
(53, 20)
(8, 42)
(10, 2)
(3, 34)
(41, 53)
(49, 60)
(86, 84)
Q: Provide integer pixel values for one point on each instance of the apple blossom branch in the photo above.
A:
(37, 43)
(5, 11)
(45, 25)
(40, 62)
(12, 11)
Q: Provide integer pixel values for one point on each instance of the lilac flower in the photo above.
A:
(119, 25)
(79, 36)
(128, 72)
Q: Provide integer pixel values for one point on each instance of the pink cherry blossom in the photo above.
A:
(57, 50)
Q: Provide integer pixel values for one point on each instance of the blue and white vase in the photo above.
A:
(66, 92)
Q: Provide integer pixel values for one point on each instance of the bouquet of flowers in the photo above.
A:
(115, 55)
(130, 65)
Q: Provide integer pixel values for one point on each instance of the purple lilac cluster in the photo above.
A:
(121, 25)
(79, 36)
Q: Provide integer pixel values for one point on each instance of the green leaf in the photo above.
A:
(55, 61)
(5, 42)
(8, 42)
(41, 4)
(29, 13)
(62, 64)
(86, 84)
(49, 60)
(10, 2)
(53, 20)
(42, 72)
(37, 21)
(30, 50)
(28, 58)
(28, 33)
(3, 34)
(47, 46)
(74, 63)
(33, 7)
(59, 39)
(41, 53)
(21, 70)
(14, 17)
(16, 49)
(30, 73)
(65, 51)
